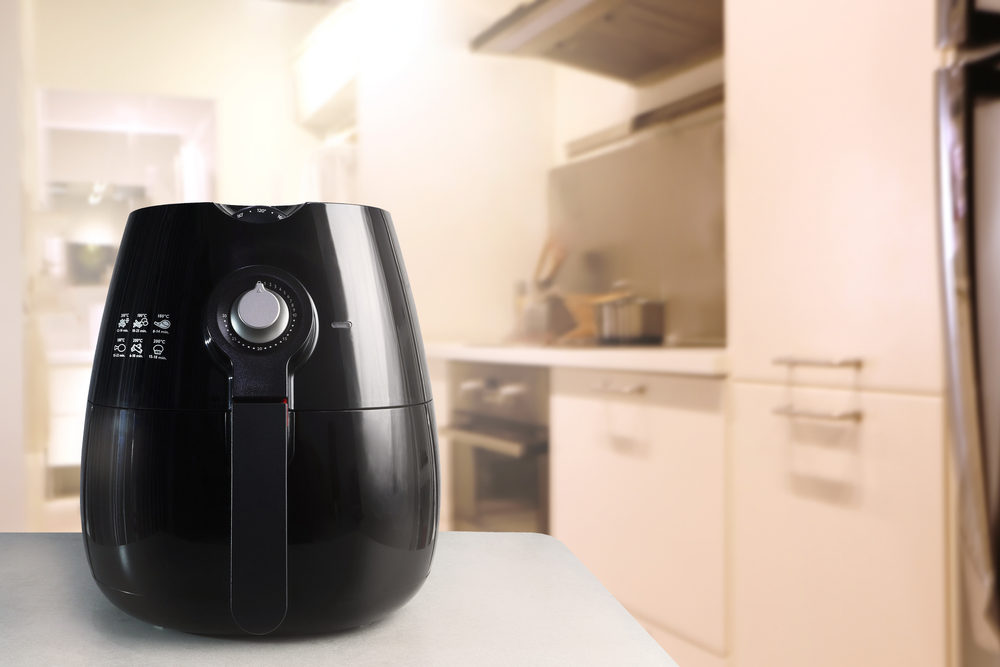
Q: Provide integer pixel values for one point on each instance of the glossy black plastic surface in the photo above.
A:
(232, 487)
(368, 350)
(258, 582)
(362, 515)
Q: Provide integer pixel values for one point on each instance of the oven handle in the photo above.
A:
(956, 88)
(514, 449)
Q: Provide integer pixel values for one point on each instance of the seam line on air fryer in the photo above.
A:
(378, 407)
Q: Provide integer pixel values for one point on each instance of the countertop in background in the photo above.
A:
(698, 361)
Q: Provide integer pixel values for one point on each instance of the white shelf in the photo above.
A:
(707, 362)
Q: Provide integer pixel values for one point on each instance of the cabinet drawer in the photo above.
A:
(839, 530)
(638, 492)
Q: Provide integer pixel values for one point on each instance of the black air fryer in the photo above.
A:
(259, 453)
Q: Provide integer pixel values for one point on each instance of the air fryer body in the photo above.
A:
(230, 487)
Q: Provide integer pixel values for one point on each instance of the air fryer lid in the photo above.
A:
(168, 337)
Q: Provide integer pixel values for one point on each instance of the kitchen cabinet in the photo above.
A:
(69, 385)
(437, 370)
(634, 40)
(839, 550)
(638, 474)
(838, 530)
(830, 191)
(684, 653)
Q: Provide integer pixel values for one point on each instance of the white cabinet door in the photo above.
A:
(68, 389)
(638, 492)
(830, 190)
(839, 530)
(437, 369)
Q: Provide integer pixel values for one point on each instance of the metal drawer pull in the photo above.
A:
(847, 362)
(628, 390)
(795, 413)
(471, 386)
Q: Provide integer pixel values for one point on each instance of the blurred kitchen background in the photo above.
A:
(644, 237)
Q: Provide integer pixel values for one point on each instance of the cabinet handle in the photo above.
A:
(627, 390)
(471, 386)
(795, 413)
(514, 449)
(847, 362)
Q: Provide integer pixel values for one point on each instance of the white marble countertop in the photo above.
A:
(702, 361)
(491, 599)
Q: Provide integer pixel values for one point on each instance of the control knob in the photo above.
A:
(259, 315)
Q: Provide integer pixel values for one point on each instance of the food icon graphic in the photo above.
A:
(140, 322)
(163, 324)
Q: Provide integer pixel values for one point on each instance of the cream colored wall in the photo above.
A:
(113, 157)
(235, 52)
(12, 467)
(456, 145)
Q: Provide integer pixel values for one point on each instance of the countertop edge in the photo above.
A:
(701, 362)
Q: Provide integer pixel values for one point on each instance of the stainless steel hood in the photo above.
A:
(625, 39)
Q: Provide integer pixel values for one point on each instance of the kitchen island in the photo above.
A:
(490, 599)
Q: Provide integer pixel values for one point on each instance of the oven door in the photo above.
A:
(500, 478)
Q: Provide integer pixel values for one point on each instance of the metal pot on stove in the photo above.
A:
(630, 320)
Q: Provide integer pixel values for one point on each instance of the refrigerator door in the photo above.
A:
(968, 22)
(969, 169)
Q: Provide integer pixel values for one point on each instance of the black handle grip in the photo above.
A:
(261, 395)
(258, 595)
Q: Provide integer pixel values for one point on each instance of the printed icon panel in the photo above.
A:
(158, 349)
(135, 345)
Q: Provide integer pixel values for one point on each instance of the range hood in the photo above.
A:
(634, 40)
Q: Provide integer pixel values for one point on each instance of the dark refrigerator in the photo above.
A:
(968, 97)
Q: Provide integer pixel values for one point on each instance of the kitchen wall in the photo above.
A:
(82, 156)
(12, 485)
(663, 187)
(232, 57)
(237, 53)
(456, 146)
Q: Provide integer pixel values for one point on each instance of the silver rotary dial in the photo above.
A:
(259, 315)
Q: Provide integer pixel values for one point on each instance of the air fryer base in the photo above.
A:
(362, 515)
(167, 614)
